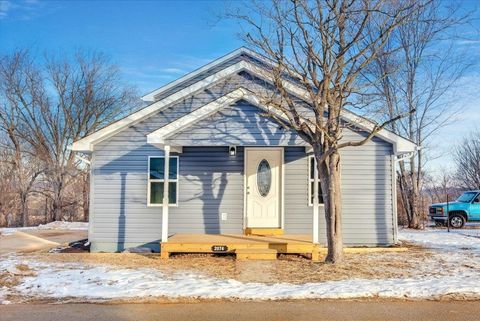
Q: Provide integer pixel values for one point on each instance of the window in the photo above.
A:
(156, 176)
(264, 178)
(466, 197)
(311, 180)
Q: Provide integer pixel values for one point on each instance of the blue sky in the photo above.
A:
(155, 42)
(152, 41)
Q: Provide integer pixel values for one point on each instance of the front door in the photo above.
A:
(264, 187)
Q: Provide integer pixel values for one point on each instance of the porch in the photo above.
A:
(260, 247)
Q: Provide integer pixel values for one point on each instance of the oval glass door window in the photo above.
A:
(264, 177)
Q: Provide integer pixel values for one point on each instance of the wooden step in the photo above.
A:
(256, 254)
(263, 231)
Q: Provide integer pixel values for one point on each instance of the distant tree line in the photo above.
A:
(46, 103)
(450, 182)
(422, 77)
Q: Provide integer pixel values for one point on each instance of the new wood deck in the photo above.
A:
(251, 246)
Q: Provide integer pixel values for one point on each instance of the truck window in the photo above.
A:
(466, 197)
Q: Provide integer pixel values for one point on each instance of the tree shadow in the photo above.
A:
(121, 165)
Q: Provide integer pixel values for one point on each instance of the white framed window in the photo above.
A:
(311, 181)
(156, 179)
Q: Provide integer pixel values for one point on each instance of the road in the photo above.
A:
(34, 240)
(252, 311)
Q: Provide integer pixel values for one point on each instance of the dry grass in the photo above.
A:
(8, 279)
(23, 268)
(13, 277)
(288, 268)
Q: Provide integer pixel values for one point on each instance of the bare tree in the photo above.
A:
(467, 159)
(8, 195)
(48, 105)
(418, 79)
(17, 156)
(323, 46)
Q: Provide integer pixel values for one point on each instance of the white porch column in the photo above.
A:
(315, 202)
(165, 194)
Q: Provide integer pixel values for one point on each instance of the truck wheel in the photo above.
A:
(457, 221)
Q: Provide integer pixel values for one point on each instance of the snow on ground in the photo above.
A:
(454, 270)
(442, 239)
(57, 225)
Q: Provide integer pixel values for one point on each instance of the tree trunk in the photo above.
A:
(57, 206)
(57, 198)
(414, 195)
(410, 193)
(329, 175)
(24, 205)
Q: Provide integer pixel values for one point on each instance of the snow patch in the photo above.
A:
(106, 283)
(453, 269)
(56, 225)
(442, 239)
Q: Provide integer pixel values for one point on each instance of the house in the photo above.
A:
(228, 168)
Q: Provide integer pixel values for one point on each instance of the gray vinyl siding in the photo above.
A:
(239, 124)
(211, 182)
(298, 215)
(366, 193)
(367, 199)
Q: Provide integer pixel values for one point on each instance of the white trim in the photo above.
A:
(245, 182)
(160, 181)
(282, 192)
(91, 205)
(309, 180)
(166, 198)
(282, 182)
(158, 137)
(401, 145)
(394, 199)
(86, 144)
(150, 97)
(316, 203)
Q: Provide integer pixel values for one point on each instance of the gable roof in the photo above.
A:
(401, 145)
(180, 124)
(150, 97)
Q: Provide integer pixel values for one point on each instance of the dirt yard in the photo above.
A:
(287, 269)
(437, 265)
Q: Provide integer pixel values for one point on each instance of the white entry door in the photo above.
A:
(264, 187)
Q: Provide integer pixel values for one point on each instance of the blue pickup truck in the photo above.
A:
(464, 209)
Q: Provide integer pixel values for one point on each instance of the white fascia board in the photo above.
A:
(158, 137)
(150, 97)
(86, 144)
(401, 145)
